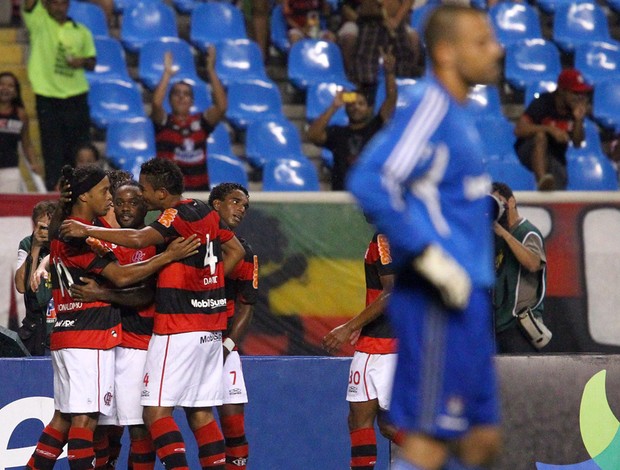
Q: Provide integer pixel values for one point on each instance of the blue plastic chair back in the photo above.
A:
(327, 158)
(146, 21)
(129, 143)
(534, 90)
(151, 60)
(290, 175)
(211, 22)
(224, 168)
(614, 5)
(253, 101)
(202, 95)
(185, 7)
(514, 21)
(91, 16)
(531, 60)
(121, 5)
(279, 35)
(312, 61)
(497, 135)
(404, 87)
(606, 104)
(512, 172)
(219, 141)
(111, 62)
(484, 99)
(550, 6)
(418, 16)
(598, 61)
(267, 140)
(319, 97)
(589, 171)
(239, 59)
(114, 100)
(578, 23)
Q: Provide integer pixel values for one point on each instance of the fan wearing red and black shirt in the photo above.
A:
(232, 201)
(184, 358)
(374, 360)
(181, 136)
(85, 333)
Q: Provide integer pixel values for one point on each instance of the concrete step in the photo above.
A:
(12, 54)
(9, 35)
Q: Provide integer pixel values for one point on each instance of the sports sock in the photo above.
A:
(48, 449)
(169, 443)
(211, 447)
(81, 453)
(101, 447)
(143, 454)
(363, 449)
(237, 449)
(115, 433)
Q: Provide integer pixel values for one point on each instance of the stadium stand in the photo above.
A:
(579, 23)
(598, 61)
(239, 60)
(211, 22)
(530, 61)
(226, 168)
(91, 16)
(111, 61)
(129, 143)
(145, 21)
(114, 100)
(266, 140)
(514, 22)
(312, 61)
(151, 61)
(290, 175)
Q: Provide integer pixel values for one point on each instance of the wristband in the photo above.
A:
(229, 344)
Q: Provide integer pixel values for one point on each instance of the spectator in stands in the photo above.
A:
(13, 131)
(60, 51)
(305, 18)
(548, 125)
(40, 314)
(87, 153)
(181, 136)
(371, 27)
(347, 142)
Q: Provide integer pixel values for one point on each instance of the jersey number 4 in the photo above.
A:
(210, 258)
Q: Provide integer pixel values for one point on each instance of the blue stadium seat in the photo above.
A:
(319, 97)
(312, 61)
(185, 7)
(219, 140)
(514, 21)
(497, 135)
(202, 95)
(151, 60)
(327, 158)
(549, 6)
(530, 61)
(91, 16)
(485, 99)
(239, 59)
(290, 175)
(418, 15)
(589, 171)
(578, 23)
(614, 5)
(129, 143)
(278, 33)
(598, 61)
(145, 21)
(121, 5)
(266, 140)
(534, 90)
(224, 168)
(606, 104)
(512, 172)
(211, 22)
(592, 142)
(114, 100)
(403, 86)
(253, 101)
(111, 62)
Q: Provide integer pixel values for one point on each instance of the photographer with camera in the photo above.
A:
(347, 142)
(520, 268)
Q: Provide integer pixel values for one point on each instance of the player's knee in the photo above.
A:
(482, 448)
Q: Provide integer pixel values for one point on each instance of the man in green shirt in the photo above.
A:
(60, 51)
(520, 268)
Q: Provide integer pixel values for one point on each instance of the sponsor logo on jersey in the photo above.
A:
(210, 337)
(352, 389)
(240, 461)
(65, 324)
(208, 303)
(107, 399)
(138, 256)
(207, 281)
(97, 246)
(234, 391)
(167, 217)
(69, 306)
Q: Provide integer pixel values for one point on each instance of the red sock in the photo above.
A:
(81, 453)
(237, 449)
(363, 449)
(48, 449)
(211, 447)
(115, 433)
(101, 447)
(143, 454)
(169, 443)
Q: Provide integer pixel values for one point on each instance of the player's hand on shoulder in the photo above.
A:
(89, 291)
(182, 247)
(73, 229)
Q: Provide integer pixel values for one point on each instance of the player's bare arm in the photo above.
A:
(131, 238)
(91, 291)
(233, 253)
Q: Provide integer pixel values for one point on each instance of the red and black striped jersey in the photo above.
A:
(377, 336)
(184, 141)
(190, 293)
(242, 283)
(88, 325)
(137, 323)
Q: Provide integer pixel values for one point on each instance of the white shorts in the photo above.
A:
(84, 381)
(371, 377)
(184, 369)
(233, 384)
(127, 385)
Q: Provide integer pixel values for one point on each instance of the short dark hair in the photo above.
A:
(181, 82)
(18, 102)
(163, 173)
(43, 208)
(118, 178)
(89, 146)
(503, 189)
(222, 190)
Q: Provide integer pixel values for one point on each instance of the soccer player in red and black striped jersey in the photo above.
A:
(181, 136)
(232, 201)
(184, 358)
(85, 333)
(374, 360)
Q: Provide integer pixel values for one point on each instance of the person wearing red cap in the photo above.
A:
(547, 126)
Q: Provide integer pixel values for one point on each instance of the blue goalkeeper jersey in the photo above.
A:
(421, 180)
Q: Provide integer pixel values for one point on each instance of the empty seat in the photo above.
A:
(219, 141)
(606, 104)
(319, 97)
(114, 100)
(184, 7)
(211, 22)
(290, 175)
(110, 61)
(531, 60)
(226, 169)
(589, 171)
(484, 99)
(121, 5)
(510, 171)
(239, 59)
(549, 6)
(267, 140)
(598, 61)
(514, 21)
(129, 143)
(312, 61)
(278, 31)
(91, 16)
(202, 95)
(578, 23)
(404, 87)
(497, 135)
(145, 21)
(151, 60)
(253, 101)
